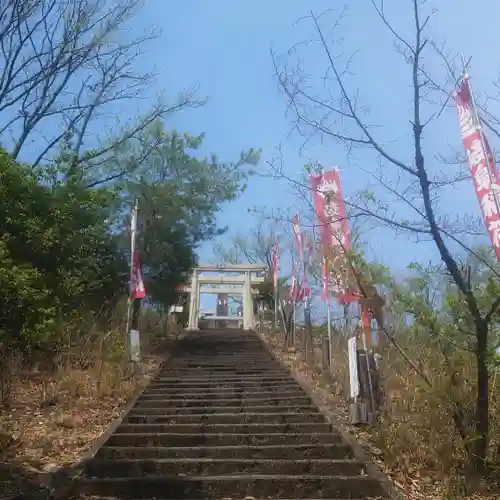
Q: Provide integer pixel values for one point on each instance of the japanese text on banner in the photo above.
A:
(331, 214)
(481, 163)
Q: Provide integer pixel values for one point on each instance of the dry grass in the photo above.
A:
(75, 414)
(45, 432)
(415, 441)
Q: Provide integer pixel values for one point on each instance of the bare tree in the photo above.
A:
(66, 68)
(334, 112)
(255, 248)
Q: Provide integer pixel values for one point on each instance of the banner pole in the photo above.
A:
(275, 281)
(127, 327)
(329, 325)
(275, 309)
(133, 229)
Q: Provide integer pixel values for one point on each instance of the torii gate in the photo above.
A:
(244, 278)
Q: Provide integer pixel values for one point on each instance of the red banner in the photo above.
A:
(300, 291)
(295, 287)
(481, 162)
(297, 292)
(298, 241)
(366, 320)
(303, 293)
(334, 226)
(330, 210)
(137, 288)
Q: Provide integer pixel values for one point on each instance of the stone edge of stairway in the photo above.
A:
(359, 453)
(61, 481)
(63, 490)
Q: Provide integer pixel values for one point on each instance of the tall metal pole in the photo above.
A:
(133, 230)
(275, 308)
(368, 368)
(329, 320)
(308, 327)
(283, 319)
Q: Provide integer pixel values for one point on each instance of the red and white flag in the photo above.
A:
(334, 226)
(298, 242)
(481, 162)
(294, 288)
(138, 290)
(302, 290)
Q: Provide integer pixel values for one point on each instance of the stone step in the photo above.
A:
(240, 486)
(227, 418)
(246, 402)
(260, 378)
(195, 410)
(223, 365)
(194, 348)
(245, 367)
(213, 385)
(222, 345)
(251, 369)
(169, 390)
(225, 360)
(333, 451)
(214, 375)
(189, 440)
(228, 361)
(230, 354)
(162, 397)
(224, 420)
(202, 428)
(219, 467)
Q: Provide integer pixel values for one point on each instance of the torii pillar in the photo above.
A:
(244, 280)
(248, 323)
(194, 300)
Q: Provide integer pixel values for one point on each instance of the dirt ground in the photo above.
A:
(42, 439)
(421, 485)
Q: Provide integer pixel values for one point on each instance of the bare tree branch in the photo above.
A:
(336, 113)
(66, 66)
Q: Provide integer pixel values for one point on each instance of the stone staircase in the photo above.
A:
(224, 420)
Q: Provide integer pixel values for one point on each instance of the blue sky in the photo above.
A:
(223, 46)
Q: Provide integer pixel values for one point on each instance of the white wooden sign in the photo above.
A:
(353, 368)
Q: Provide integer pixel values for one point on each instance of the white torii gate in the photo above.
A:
(244, 278)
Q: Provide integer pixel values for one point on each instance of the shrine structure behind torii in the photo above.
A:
(239, 279)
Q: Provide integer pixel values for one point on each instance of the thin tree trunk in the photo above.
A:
(482, 399)
(325, 351)
(480, 445)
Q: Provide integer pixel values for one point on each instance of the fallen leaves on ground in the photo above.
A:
(422, 484)
(44, 438)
